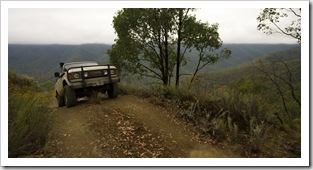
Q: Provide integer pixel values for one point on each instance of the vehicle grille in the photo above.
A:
(97, 73)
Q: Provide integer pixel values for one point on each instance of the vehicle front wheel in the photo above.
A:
(113, 90)
(61, 101)
(69, 96)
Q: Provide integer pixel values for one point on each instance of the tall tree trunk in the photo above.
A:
(178, 47)
(161, 61)
(166, 56)
(196, 71)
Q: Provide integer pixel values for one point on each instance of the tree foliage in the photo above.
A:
(205, 39)
(273, 20)
(151, 42)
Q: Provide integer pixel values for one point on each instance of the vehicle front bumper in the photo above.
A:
(93, 82)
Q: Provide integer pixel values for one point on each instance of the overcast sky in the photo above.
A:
(79, 26)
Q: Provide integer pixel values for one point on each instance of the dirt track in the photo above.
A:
(127, 126)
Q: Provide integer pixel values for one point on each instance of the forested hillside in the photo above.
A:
(217, 78)
(41, 61)
(241, 53)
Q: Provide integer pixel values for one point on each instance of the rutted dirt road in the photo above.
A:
(127, 126)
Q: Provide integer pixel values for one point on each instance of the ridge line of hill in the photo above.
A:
(45, 58)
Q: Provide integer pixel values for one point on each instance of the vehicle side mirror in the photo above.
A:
(56, 74)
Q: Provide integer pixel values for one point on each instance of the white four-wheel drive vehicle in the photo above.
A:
(79, 79)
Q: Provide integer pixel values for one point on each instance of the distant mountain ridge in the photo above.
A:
(241, 54)
(41, 61)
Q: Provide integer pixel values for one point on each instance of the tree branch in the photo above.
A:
(148, 75)
(277, 87)
(185, 74)
(289, 82)
(297, 15)
(154, 72)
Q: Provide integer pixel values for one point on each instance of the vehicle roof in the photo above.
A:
(81, 62)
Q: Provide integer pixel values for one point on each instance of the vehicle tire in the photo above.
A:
(61, 101)
(69, 96)
(113, 90)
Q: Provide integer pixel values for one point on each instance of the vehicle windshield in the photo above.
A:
(70, 65)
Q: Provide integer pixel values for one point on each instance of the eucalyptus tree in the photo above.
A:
(152, 41)
(204, 38)
(144, 40)
(281, 20)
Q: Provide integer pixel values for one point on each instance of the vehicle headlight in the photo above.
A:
(76, 75)
(112, 71)
(86, 74)
(72, 76)
(105, 72)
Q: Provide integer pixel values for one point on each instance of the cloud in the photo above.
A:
(94, 25)
(68, 26)
(239, 25)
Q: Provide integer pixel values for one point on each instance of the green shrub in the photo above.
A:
(133, 89)
(258, 135)
(28, 126)
(28, 114)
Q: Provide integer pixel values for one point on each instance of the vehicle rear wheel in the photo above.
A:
(61, 101)
(69, 96)
(113, 90)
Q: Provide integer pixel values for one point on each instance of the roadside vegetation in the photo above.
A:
(240, 107)
(28, 115)
(256, 106)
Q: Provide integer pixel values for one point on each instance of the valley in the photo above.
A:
(41, 61)
(232, 109)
